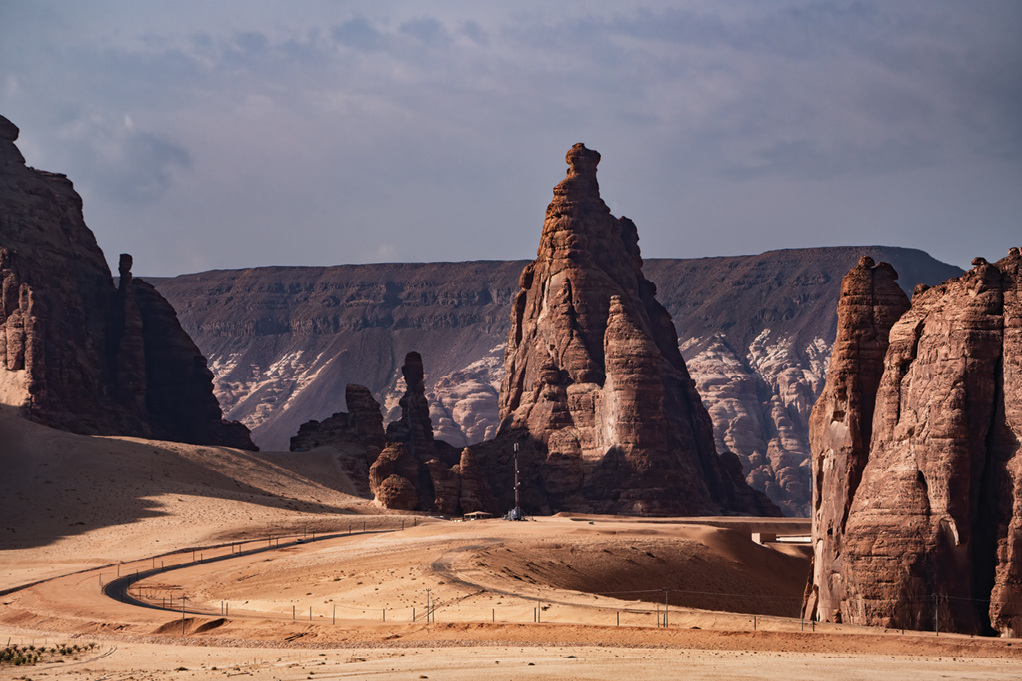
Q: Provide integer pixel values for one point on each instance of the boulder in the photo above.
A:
(393, 478)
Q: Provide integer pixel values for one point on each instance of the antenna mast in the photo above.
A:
(516, 514)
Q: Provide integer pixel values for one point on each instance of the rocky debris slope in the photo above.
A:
(935, 525)
(841, 424)
(595, 390)
(403, 466)
(79, 353)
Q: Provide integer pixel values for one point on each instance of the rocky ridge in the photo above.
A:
(77, 352)
(755, 332)
(934, 529)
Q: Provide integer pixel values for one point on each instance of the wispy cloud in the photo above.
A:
(313, 133)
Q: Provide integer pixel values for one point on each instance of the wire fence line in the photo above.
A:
(543, 604)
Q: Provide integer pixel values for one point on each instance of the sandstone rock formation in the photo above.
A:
(414, 427)
(841, 424)
(595, 389)
(414, 471)
(79, 353)
(475, 493)
(394, 478)
(934, 530)
(362, 424)
(755, 333)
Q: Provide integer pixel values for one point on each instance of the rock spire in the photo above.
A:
(841, 423)
(595, 390)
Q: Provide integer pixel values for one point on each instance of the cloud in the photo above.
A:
(359, 34)
(440, 130)
(121, 162)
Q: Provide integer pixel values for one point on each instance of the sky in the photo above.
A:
(231, 134)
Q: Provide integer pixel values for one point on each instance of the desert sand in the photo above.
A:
(281, 574)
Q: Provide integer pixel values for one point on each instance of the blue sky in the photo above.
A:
(215, 135)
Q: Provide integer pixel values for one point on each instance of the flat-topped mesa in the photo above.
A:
(595, 390)
(934, 528)
(77, 352)
(841, 423)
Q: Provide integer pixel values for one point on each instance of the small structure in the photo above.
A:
(764, 537)
(478, 515)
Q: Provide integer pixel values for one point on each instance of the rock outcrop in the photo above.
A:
(394, 478)
(82, 354)
(413, 471)
(414, 428)
(934, 529)
(361, 424)
(475, 493)
(841, 424)
(595, 389)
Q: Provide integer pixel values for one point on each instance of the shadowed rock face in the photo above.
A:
(939, 509)
(84, 355)
(841, 424)
(595, 388)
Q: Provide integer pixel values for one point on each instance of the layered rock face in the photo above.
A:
(77, 352)
(841, 424)
(595, 389)
(755, 333)
(935, 525)
(403, 467)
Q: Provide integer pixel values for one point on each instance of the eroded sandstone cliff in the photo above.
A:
(595, 390)
(841, 424)
(934, 528)
(79, 353)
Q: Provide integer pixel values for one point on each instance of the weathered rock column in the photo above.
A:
(841, 423)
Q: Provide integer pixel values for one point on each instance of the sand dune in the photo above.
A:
(82, 514)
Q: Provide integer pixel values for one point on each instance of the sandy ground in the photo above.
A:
(185, 562)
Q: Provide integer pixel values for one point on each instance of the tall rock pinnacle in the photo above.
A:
(934, 528)
(596, 391)
(841, 423)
